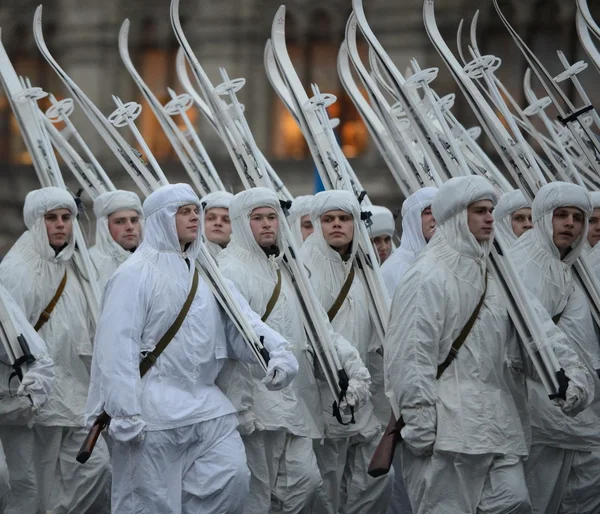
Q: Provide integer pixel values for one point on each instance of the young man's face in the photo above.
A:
(125, 228)
(383, 245)
(338, 229)
(264, 224)
(594, 230)
(521, 221)
(59, 227)
(306, 226)
(427, 223)
(567, 224)
(480, 220)
(186, 221)
(217, 226)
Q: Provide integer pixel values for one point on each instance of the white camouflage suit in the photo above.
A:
(345, 452)
(464, 439)
(175, 443)
(31, 272)
(107, 255)
(563, 470)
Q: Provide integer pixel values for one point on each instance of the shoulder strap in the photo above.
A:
(150, 359)
(45, 315)
(333, 310)
(464, 333)
(556, 317)
(274, 297)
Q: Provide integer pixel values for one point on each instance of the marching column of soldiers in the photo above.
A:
(206, 431)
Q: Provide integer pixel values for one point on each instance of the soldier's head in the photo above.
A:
(217, 224)
(119, 219)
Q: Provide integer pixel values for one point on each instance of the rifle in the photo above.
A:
(381, 462)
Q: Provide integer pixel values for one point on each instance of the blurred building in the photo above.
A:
(82, 35)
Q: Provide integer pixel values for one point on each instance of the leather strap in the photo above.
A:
(458, 342)
(556, 317)
(45, 315)
(150, 358)
(333, 310)
(274, 297)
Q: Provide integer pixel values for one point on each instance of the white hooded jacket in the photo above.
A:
(551, 280)
(300, 208)
(328, 272)
(412, 241)
(32, 272)
(218, 199)
(255, 275)
(107, 255)
(382, 221)
(140, 303)
(508, 204)
(592, 255)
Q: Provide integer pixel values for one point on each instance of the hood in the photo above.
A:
(220, 199)
(383, 223)
(508, 204)
(37, 204)
(550, 197)
(412, 239)
(160, 209)
(107, 204)
(326, 201)
(450, 211)
(300, 207)
(240, 209)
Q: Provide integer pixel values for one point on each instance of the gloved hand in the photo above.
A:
(349, 400)
(575, 400)
(420, 430)
(129, 429)
(32, 388)
(276, 379)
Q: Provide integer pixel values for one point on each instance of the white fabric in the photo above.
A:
(53, 480)
(383, 221)
(592, 255)
(220, 199)
(350, 446)
(551, 281)
(465, 484)
(470, 409)
(508, 204)
(300, 208)
(5, 490)
(107, 255)
(412, 241)
(140, 303)
(31, 272)
(284, 476)
(194, 469)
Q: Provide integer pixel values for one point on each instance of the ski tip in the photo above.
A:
(280, 15)
(37, 17)
(125, 26)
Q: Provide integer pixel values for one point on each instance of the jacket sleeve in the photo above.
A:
(411, 354)
(117, 353)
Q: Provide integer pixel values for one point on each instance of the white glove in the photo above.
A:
(350, 399)
(574, 402)
(32, 388)
(276, 379)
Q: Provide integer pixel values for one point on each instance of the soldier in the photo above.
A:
(217, 225)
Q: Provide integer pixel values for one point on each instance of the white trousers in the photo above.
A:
(563, 481)
(457, 483)
(44, 474)
(347, 488)
(284, 473)
(4, 481)
(199, 469)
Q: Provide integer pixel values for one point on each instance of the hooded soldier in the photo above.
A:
(563, 470)
(175, 443)
(17, 410)
(41, 276)
(463, 439)
(299, 218)
(418, 225)
(592, 249)
(381, 231)
(512, 216)
(119, 227)
(217, 225)
(278, 431)
(344, 454)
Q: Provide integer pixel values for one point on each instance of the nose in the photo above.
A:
(570, 220)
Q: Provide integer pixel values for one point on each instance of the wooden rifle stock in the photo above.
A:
(89, 443)
(384, 454)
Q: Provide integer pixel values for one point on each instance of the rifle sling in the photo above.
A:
(45, 315)
(274, 297)
(458, 342)
(333, 310)
(150, 358)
